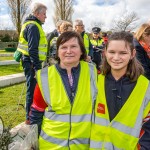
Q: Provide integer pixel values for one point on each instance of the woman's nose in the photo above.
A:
(116, 56)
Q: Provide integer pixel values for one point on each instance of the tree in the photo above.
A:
(126, 22)
(63, 10)
(18, 9)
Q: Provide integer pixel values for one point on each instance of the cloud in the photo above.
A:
(98, 10)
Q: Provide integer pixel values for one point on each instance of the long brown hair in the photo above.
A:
(134, 69)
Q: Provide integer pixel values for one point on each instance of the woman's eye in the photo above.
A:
(112, 52)
(63, 47)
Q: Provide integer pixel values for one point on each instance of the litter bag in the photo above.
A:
(24, 137)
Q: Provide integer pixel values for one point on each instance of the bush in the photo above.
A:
(6, 38)
(10, 49)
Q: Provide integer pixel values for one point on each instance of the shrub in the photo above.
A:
(6, 38)
(10, 49)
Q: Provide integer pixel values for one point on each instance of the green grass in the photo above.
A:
(10, 69)
(4, 51)
(12, 113)
(6, 58)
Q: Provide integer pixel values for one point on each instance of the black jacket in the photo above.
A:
(143, 58)
(32, 36)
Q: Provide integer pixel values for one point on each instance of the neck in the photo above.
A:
(68, 67)
(117, 74)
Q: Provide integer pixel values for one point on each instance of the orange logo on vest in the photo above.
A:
(101, 108)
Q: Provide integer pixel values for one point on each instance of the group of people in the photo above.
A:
(75, 107)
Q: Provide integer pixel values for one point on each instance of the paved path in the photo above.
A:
(11, 79)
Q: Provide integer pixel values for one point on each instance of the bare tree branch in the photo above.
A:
(18, 9)
(63, 10)
(126, 22)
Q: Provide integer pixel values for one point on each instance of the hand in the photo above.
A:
(88, 58)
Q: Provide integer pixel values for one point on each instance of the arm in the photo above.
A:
(33, 38)
(37, 108)
(144, 141)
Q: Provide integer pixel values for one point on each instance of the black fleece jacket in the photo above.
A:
(143, 58)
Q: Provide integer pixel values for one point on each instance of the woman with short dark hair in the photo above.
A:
(64, 97)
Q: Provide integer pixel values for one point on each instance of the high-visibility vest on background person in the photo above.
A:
(98, 42)
(122, 133)
(86, 42)
(23, 44)
(67, 126)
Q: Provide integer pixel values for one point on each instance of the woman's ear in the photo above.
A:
(133, 53)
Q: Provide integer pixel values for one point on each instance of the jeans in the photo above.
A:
(30, 83)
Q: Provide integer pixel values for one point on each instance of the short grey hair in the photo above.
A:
(38, 7)
(77, 22)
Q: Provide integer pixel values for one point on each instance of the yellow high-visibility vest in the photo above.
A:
(86, 43)
(98, 42)
(23, 44)
(122, 133)
(67, 125)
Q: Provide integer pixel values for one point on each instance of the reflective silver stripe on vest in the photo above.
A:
(45, 85)
(100, 145)
(101, 121)
(66, 117)
(23, 47)
(53, 140)
(93, 82)
(43, 45)
(79, 141)
(42, 53)
(121, 127)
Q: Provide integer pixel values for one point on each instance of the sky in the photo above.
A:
(89, 11)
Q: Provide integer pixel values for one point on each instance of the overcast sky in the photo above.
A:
(89, 11)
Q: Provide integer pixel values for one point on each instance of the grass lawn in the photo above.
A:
(12, 113)
(6, 58)
(10, 69)
(3, 51)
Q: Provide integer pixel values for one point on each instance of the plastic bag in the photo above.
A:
(17, 55)
(24, 137)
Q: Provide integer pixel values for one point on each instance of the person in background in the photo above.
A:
(105, 37)
(79, 28)
(64, 97)
(122, 112)
(142, 46)
(65, 26)
(33, 45)
(98, 46)
(54, 33)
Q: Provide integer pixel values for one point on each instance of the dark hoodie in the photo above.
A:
(117, 92)
(32, 36)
